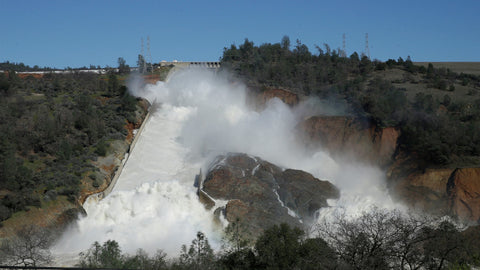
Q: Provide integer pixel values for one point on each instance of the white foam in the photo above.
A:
(154, 204)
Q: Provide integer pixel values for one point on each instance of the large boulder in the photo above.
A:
(259, 194)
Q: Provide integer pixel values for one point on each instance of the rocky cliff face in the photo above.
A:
(443, 191)
(342, 135)
(463, 191)
(287, 97)
(258, 100)
(260, 194)
(422, 190)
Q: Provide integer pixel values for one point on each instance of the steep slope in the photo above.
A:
(57, 212)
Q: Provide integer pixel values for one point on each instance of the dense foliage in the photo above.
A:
(21, 67)
(439, 131)
(51, 129)
(375, 240)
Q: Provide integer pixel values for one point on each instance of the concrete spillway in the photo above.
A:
(153, 204)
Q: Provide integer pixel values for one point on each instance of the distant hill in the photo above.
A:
(459, 67)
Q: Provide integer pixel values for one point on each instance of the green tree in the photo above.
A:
(237, 251)
(5, 213)
(123, 68)
(236, 236)
(278, 247)
(380, 239)
(64, 150)
(4, 85)
(199, 255)
(101, 148)
(142, 261)
(29, 247)
(446, 100)
(362, 243)
(128, 102)
(315, 253)
(285, 43)
(430, 71)
(113, 85)
(443, 245)
(8, 164)
(108, 255)
(141, 64)
(366, 66)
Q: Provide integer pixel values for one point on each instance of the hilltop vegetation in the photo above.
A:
(458, 67)
(19, 67)
(437, 110)
(51, 130)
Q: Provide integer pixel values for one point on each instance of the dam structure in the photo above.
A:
(199, 64)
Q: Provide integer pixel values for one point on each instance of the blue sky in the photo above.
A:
(80, 33)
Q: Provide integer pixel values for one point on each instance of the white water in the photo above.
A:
(154, 205)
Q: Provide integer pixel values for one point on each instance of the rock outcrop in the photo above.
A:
(463, 191)
(260, 194)
(442, 191)
(287, 97)
(343, 135)
(422, 190)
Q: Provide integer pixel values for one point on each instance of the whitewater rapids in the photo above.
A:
(199, 115)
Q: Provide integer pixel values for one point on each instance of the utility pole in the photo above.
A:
(344, 50)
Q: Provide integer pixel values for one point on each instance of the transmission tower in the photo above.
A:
(143, 58)
(149, 55)
(344, 50)
(367, 48)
